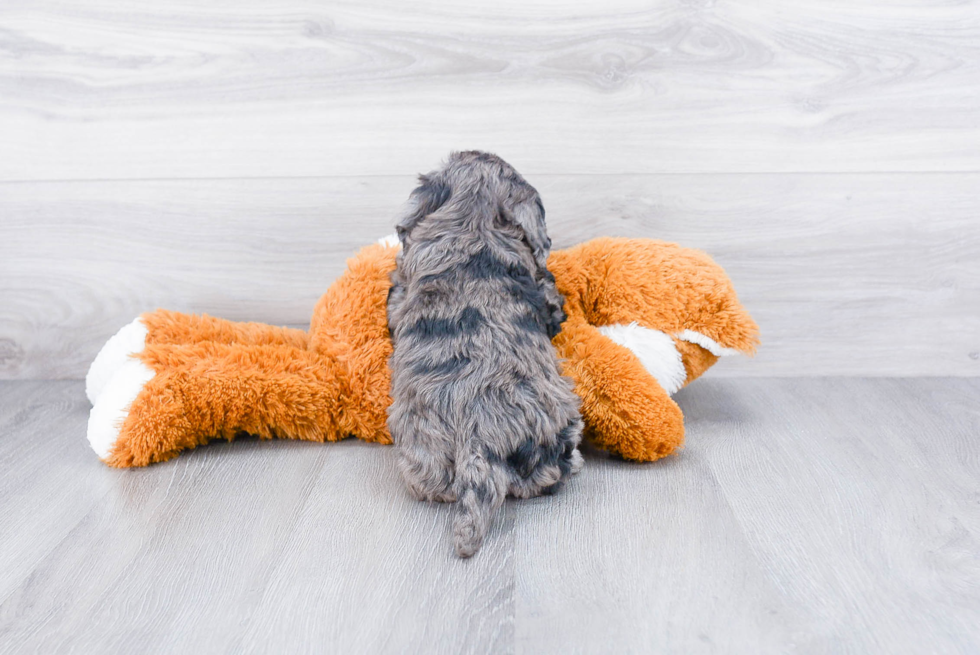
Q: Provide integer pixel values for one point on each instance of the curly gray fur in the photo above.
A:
(479, 407)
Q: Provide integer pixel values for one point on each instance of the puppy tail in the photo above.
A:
(481, 492)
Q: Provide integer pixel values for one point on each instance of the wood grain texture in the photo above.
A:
(846, 274)
(116, 89)
(815, 515)
(233, 549)
(811, 515)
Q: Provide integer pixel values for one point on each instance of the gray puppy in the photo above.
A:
(479, 407)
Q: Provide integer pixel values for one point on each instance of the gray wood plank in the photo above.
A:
(112, 89)
(42, 495)
(375, 572)
(819, 515)
(846, 274)
(242, 547)
(862, 504)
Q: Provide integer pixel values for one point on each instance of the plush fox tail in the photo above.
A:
(481, 492)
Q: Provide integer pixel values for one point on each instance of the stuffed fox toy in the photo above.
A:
(644, 319)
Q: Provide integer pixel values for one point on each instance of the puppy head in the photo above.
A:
(483, 188)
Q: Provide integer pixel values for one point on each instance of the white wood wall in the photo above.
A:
(226, 157)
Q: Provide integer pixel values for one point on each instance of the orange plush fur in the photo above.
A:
(215, 378)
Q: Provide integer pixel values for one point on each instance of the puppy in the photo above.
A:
(479, 407)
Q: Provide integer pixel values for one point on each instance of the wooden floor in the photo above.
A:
(813, 515)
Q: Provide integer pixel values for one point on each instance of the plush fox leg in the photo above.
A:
(696, 359)
(621, 400)
(211, 390)
(167, 327)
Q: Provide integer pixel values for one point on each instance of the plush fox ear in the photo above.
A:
(428, 197)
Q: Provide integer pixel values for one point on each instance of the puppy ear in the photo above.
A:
(428, 197)
(529, 216)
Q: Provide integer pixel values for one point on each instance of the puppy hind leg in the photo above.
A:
(429, 476)
(541, 468)
(561, 459)
(569, 459)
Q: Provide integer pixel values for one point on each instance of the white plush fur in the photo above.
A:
(112, 406)
(116, 351)
(655, 350)
(707, 343)
(391, 241)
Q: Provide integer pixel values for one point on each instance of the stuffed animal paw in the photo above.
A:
(645, 318)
